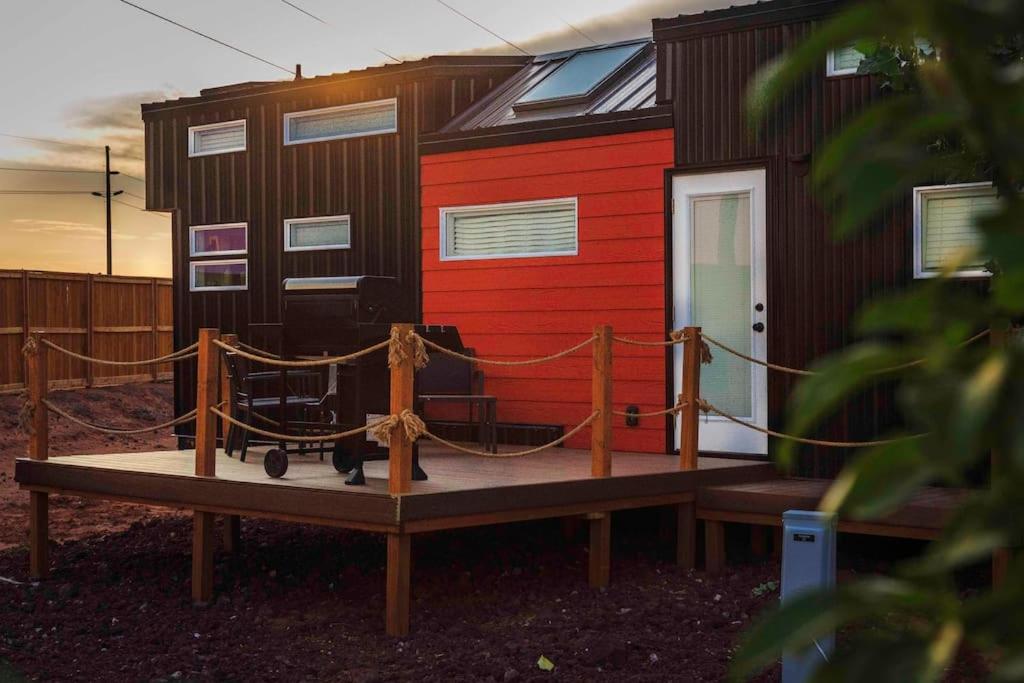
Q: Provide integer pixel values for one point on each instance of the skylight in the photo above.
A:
(579, 75)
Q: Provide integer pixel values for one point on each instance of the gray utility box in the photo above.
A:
(808, 562)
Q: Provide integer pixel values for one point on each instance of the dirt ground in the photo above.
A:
(71, 518)
(306, 603)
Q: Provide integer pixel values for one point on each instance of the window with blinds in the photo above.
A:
(945, 227)
(323, 232)
(216, 138)
(519, 230)
(843, 61)
(347, 121)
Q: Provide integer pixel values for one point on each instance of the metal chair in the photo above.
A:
(447, 379)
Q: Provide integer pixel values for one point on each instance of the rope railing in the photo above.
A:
(507, 363)
(675, 337)
(294, 438)
(187, 417)
(654, 413)
(707, 407)
(182, 354)
(513, 454)
(257, 351)
(308, 363)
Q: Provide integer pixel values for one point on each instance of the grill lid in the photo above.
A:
(348, 282)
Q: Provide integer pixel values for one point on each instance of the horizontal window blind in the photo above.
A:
(846, 59)
(333, 232)
(371, 118)
(948, 224)
(512, 230)
(229, 137)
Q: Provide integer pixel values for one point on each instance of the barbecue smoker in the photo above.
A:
(337, 316)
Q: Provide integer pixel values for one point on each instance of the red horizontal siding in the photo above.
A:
(519, 308)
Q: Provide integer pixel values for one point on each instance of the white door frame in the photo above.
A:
(718, 434)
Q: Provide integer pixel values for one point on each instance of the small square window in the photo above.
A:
(216, 138)
(843, 61)
(945, 224)
(224, 239)
(313, 234)
(219, 275)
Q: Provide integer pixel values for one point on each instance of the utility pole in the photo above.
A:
(107, 196)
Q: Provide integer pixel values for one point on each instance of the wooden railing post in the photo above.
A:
(400, 448)
(154, 333)
(206, 398)
(36, 380)
(601, 393)
(689, 415)
(226, 397)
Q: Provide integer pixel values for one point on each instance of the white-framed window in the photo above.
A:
(843, 61)
(945, 218)
(218, 275)
(346, 121)
(546, 227)
(216, 138)
(221, 239)
(321, 232)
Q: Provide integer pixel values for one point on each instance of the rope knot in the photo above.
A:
(677, 335)
(31, 346)
(704, 406)
(27, 416)
(397, 353)
(705, 353)
(409, 421)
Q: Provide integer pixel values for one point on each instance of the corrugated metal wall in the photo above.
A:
(815, 285)
(375, 179)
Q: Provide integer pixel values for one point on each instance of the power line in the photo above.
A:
(40, 192)
(134, 195)
(208, 37)
(579, 31)
(79, 145)
(329, 24)
(477, 24)
(45, 170)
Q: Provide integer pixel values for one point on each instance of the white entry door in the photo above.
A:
(718, 272)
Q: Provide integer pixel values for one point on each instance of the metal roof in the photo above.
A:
(630, 88)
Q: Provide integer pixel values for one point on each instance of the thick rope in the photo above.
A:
(408, 420)
(529, 361)
(398, 355)
(30, 347)
(516, 454)
(27, 417)
(294, 438)
(708, 408)
(258, 352)
(190, 415)
(655, 413)
(312, 363)
(675, 337)
(182, 354)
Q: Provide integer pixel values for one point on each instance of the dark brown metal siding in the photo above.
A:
(375, 179)
(815, 285)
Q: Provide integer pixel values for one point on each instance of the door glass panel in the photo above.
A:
(721, 295)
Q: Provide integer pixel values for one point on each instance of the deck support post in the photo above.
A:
(232, 533)
(601, 400)
(206, 398)
(37, 383)
(714, 546)
(689, 423)
(686, 535)
(399, 561)
(203, 529)
(225, 392)
(403, 375)
(599, 569)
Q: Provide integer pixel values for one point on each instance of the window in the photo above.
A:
(843, 61)
(216, 138)
(348, 121)
(325, 232)
(218, 240)
(219, 275)
(579, 76)
(944, 224)
(521, 229)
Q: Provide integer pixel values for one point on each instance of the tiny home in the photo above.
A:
(543, 215)
(311, 177)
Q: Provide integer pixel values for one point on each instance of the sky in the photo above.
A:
(73, 75)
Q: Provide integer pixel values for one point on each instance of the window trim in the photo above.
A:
(343, 107)
(192, 130)
(289, 222)
(443, 228)
(920, 193)
(830, 67)
(193, 229)
(217, 262)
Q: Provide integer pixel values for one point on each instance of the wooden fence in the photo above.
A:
(116, 317)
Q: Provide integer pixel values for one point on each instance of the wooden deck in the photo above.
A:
(461, 491)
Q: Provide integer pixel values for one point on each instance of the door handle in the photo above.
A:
(758, 327)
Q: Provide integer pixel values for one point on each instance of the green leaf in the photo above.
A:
(879, 481)
(545, 664)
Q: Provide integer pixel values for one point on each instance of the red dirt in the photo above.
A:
(71, 518)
